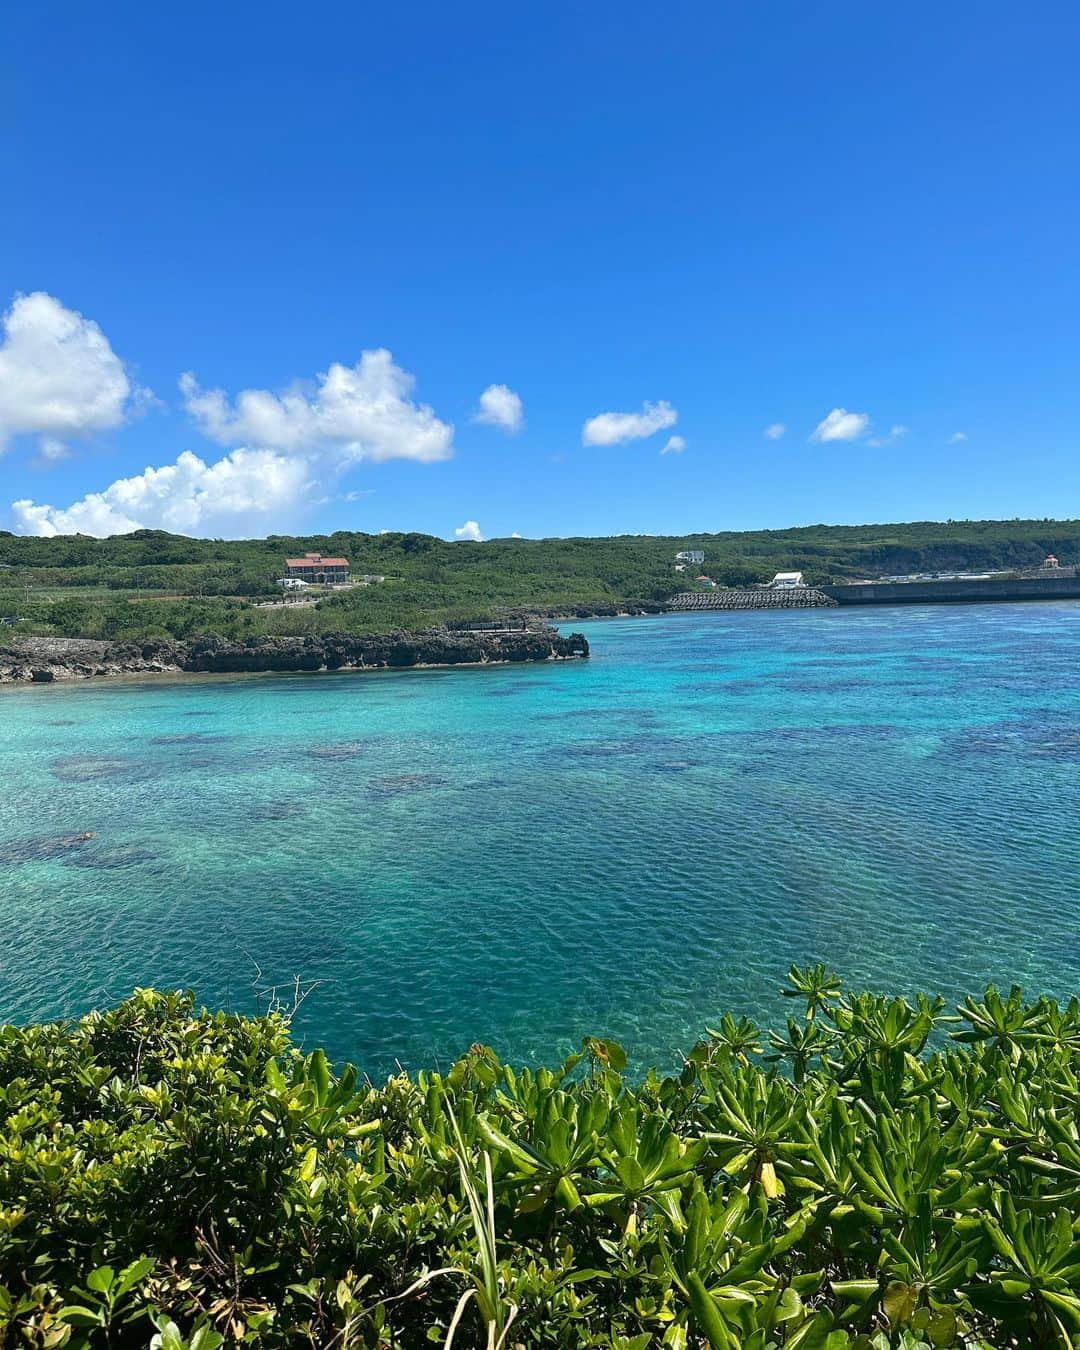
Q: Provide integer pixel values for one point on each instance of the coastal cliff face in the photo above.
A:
(46, 660)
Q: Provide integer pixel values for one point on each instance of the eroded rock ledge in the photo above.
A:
(45, 660)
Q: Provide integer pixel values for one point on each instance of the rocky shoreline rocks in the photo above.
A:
(597, 609)
(51, 660)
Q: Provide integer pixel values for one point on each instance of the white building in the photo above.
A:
(690, 555)
(786, 581)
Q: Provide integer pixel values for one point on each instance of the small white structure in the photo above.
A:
(294, 584)
(690, 555)
(786, 581)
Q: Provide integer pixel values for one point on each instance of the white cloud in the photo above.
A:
(841, 425)
(500, 407)
(470, 530)
(59, 376)
(894, 435)
(613, 428)
(675, 446)
(356, 412)
(188, 497)
(50, 450)
(957, 437)
(515, 535)
(294, 449)
(774, 431)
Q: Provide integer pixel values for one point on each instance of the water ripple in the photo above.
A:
(624, 846)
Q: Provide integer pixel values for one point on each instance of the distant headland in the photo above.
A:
(153, 587)
(41, 660)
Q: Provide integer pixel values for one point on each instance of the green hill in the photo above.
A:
(155, 584)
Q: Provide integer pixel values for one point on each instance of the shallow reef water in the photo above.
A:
(522, 855)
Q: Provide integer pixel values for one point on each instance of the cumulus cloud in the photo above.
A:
(841, 425)
(613, 428)
(187, 497)
(294, 448)
(774, 431)
(675, 446)
(470, 530)
(957, 437)
(59, 376)
(356, 412)
(500, 407)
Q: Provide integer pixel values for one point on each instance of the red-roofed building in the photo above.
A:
(315, 568)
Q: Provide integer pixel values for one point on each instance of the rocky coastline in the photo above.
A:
(54, 660)
(596, 609)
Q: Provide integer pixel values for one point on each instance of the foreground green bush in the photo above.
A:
(173, 1177)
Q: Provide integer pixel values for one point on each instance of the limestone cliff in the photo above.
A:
(45, 660)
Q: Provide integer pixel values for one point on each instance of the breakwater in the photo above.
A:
(954, 592)
(883, 593)
(45, 660)
(797, 597)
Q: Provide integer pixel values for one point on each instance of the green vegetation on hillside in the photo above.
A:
(190, 1177)
(152, 584)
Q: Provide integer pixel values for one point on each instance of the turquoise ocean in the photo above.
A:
(625, 846)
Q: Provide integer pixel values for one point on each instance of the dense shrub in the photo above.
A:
(188, 1176)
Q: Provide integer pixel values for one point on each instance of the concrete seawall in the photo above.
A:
(954, 592)
(881, 593)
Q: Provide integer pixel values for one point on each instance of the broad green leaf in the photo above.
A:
(100, 1280)
(707, 1314)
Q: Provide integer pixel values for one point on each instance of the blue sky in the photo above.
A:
(709, 218)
